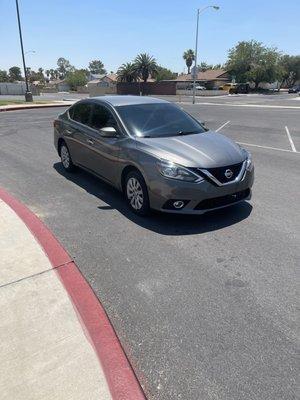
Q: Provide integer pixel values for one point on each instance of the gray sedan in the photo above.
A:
(158, 155)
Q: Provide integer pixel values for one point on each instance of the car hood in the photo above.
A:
(203, 150)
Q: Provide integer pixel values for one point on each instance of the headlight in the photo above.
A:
(175, 171)
(249, 164)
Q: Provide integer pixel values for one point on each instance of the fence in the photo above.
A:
(189, 92)
(16, 89)
(95, 90)
(147, 88)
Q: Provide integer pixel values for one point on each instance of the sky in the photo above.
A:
(115, 31)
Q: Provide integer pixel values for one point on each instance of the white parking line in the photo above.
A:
(241, 105)
(290, 139)
(267, 147)
(222, 126)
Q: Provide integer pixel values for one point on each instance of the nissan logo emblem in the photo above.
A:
(228, 173)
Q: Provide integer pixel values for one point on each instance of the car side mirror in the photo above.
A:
(108, 132)
(203, 123)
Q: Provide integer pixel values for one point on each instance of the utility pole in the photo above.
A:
(199, 11)
(28, 94)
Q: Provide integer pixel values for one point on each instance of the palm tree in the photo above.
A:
(145, 66)
(189, 57)
(52, 73)
(47, 72)
(127, 73)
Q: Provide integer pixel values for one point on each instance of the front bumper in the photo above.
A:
(199, 198)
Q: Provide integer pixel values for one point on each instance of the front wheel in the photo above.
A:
(66, 159)
(136, 193)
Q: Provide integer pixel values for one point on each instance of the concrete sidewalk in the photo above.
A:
(56, 341)
(44, 351)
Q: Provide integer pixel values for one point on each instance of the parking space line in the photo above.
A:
(222, 126)
(240, 105)
(267, 147)
(290, 139)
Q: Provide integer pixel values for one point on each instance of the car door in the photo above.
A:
(76, 131)
(103, 155)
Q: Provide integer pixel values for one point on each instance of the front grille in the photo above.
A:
(223, 200)
(219, 173)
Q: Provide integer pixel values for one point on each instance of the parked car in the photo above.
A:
(239, 88)
(294, 89)
(197, 87)
(158, 155)
(226, 86)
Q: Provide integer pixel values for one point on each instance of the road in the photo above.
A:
(205, 307)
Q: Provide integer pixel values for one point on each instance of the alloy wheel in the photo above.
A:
(65, 157)
(135, 193)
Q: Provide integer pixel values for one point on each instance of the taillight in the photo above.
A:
(56, 123)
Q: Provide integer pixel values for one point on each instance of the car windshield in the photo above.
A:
(158, 120)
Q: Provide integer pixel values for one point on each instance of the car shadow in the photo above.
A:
(162, 223)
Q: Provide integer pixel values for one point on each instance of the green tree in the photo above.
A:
(97, 67)
(40, 74)
(35, 76)
(145, 66)
(204, 66)
(164, 74)
(76, 78)
(189, 57)
(127, 73)
(290, 67)
(64, 67)
(4, 76)
(251, 61)
(15, 74)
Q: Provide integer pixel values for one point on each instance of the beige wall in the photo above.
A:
(95, 90)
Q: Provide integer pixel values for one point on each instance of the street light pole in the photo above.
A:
(28, 94)
(199, 11)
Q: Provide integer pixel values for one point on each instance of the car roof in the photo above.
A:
(127, 100)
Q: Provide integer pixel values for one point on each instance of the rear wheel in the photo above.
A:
(136, 193)
(66, 159)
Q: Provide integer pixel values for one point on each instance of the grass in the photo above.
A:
(12, 102)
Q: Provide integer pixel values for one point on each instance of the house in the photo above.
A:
(94, 77)
(105, 84)
(59, 85)
(210, 79)
(107, 80)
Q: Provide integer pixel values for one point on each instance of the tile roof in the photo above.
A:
(208, 75)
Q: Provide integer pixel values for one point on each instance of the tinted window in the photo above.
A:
(102, 117)
(81, 113)
(156, 120)
(71, 112)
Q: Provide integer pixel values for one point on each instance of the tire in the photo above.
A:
(136, 193)
(66, 159)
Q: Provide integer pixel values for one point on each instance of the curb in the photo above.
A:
(22, 107)
(118, 372)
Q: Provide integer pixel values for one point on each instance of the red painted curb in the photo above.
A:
(119, 374)
(17, 108)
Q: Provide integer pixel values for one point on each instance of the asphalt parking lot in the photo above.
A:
(205, 306)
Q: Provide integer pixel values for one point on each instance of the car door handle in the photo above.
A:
(69, 131)
(90, 141)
